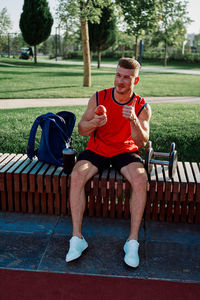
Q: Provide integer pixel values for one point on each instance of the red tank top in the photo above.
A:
(115, 136)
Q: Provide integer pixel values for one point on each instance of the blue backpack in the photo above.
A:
(56, 135)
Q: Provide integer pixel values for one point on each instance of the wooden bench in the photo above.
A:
(34, 187)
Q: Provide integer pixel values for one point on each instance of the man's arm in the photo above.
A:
(90, 121)
(139, 125)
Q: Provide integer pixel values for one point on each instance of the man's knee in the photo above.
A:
(140, 180)
(81, 173)
(137, 176)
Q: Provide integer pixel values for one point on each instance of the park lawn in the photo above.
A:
(177, 123)
(171, 64)
(23, 79)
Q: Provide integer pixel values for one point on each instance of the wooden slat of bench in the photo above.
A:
(127, 199)
(102, 193)
(56, 189)
(2, 193)
(37, 202)
(88, 190)
(48, 182)
(44, 180)
(96, 184)
(104, 178)
(119, 180)
(91, 196)
(40, 178)
(168, 195)
(33, 176)
(50, 201)
(17, 175)
(191, 181)
(12, 197)
(152, 201)
(183, 191)
(6, 165)
(56, 179)
(63, 186)
(24, 202)
(176, 196)
(5, 158)
(68, 195)
(34, 199)
(97, 190)
(112, 193)
(191, 191)
(161, 189)
(25, 175)
(103, 207)
(6, 162)
(44, 205)
(196, 172)
(20, 195)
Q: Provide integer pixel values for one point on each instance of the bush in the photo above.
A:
(174, 56)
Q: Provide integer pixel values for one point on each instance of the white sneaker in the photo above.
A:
(131, 257)
(77, 246)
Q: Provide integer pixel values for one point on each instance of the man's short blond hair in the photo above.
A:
(130, 63)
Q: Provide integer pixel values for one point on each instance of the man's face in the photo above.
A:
(124, 80)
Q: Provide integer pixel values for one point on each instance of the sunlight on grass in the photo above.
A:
(177, 123)
(49, 80)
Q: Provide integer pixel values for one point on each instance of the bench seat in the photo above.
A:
(30, 186)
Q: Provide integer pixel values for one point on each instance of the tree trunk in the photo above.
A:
(99, 58)
(136, 47)
(86, 53)
(165, 54)
(123, 50)
(35, 54)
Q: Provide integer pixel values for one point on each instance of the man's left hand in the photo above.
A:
(128, 112)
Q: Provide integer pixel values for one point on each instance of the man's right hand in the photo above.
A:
(100, 120)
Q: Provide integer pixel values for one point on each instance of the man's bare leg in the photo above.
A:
(136, 175)
(81, 173)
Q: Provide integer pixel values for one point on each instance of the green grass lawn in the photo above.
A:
(177, 123)
(55, 80)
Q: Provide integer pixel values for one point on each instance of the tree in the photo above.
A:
(124, 42)
(71, 13)
(172, 16)
(197, 41)
(103, 34)
(35, 23)
(5, 25)
(5, 22)
(140, 17)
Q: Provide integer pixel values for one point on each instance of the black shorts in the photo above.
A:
(118, 161)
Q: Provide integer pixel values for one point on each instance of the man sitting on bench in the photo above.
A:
(115, 138)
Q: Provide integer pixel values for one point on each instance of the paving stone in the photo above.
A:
(95, 227)
(22, 251)
(18, 222)
(173, 261)
(172, 232)
(104, 256)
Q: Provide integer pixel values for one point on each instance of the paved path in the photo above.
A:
(152, 69)
(21, 103)
(168, 251)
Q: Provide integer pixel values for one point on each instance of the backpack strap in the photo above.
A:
(31, 141)
(70, 120)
